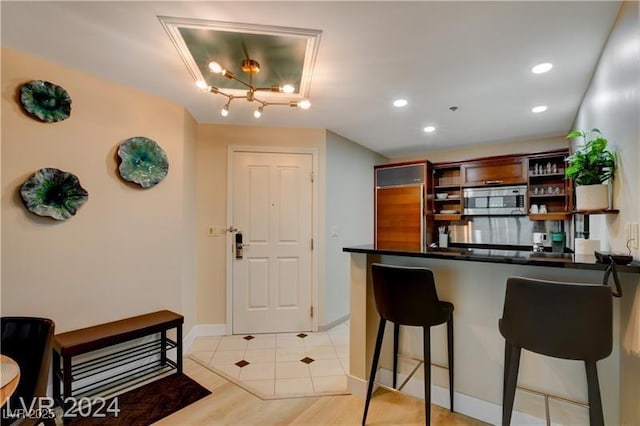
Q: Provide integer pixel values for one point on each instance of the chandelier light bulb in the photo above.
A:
(202, 85)
(225, 111)
(287, 88)
(258, 113)
(304, 104)
(215, 67)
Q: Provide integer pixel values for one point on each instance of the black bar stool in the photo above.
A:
(561, 320)
(407, 296)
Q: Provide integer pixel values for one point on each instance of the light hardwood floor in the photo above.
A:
(229, 404)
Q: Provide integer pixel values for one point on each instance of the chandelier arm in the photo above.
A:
(230, 97)
(233, 77)
(276, 103)
(263, 103)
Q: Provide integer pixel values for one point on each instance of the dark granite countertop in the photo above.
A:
(498, 255)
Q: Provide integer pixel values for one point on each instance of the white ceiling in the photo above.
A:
(475, 55)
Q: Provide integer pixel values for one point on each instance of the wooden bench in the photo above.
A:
(116, 370)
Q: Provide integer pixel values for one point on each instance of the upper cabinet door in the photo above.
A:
(401, 174)
(504, 171)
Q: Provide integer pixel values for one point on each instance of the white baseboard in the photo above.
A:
(203, 330)
(333, 323)
(356, 386)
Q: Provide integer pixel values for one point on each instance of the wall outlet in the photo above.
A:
(633, 233)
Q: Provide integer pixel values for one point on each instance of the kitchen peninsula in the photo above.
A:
(474, 281)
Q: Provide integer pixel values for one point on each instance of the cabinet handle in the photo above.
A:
(487, 182)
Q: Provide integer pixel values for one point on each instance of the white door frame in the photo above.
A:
(231, 149)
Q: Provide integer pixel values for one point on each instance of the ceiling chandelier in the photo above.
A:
(251, 67)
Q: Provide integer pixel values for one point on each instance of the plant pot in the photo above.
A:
(592, 197)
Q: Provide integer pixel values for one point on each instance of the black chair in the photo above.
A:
(561, 320)
(407, 296)
(28, 341)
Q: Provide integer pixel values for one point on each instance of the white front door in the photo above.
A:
(272, 197)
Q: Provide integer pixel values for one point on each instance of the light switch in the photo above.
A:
(211, 231)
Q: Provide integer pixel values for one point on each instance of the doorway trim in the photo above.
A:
(315, 214)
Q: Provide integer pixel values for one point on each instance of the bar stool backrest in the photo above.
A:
(407, 295)
(27, 340)
(561, 320)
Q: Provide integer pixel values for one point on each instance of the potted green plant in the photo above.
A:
(591, 166)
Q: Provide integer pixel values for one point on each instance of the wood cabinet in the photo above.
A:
(411, 198)
(498, 171)
(446, 194)
(400, 194)
(399, 217)
(548, 186)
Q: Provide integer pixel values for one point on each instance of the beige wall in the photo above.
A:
(488, 150)
(189, 221)
(612, 104)
(211, 203)
(123, 252)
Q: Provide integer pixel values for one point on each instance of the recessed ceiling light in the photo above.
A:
(400, 103)
(429, 129)
(539, 108)
(542, 68)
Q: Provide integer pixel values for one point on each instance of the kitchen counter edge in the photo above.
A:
(525, 259)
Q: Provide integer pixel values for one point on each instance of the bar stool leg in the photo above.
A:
(450, 353)
(374, 366)
(596, 416)
(426, 334)
(396, 340)
(511, 365)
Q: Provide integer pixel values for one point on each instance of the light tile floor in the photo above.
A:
(280, 365)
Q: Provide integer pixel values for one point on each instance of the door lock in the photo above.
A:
(239, 245)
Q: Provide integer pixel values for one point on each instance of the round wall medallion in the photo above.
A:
(45, 101)
(54, 193)
(143, 161)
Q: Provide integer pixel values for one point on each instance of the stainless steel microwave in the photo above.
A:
(504, 200)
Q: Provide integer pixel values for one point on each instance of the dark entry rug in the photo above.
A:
(145, 405)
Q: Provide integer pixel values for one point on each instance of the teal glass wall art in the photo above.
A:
(143, 161)
(45, 101)
(53, 193)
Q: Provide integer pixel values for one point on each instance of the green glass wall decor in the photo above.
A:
(54, 193)
(143, 161)
(45, 101)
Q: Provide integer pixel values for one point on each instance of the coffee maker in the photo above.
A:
(539, 239)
